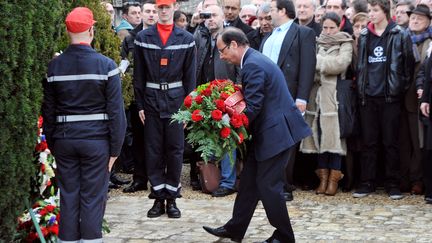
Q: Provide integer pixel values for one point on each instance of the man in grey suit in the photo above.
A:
(292, 47)
(276, 126)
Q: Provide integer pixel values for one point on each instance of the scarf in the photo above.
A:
(418, 39)
(328, 41)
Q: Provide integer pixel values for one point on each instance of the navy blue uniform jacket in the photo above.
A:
(275, 122)
(180, 54)
(81, 82)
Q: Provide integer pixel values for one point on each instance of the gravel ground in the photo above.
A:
(378, 198)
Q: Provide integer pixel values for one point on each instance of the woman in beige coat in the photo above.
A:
(333, 59)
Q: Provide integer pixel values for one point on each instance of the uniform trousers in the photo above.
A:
(262, 180)
(163, 147)
(82, 167)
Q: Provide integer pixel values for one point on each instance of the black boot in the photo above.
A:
(172, 210)
(157, 210)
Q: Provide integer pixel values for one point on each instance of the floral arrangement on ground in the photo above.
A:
(214, 118)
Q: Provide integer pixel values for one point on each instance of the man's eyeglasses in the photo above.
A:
(223, 49)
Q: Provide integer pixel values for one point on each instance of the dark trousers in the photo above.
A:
(380, 124)
(263, 180)
(163, 147)
(289, 169)
(427, 175)
(410, 153)
(329, 161)
(140, 172)
(82, 167)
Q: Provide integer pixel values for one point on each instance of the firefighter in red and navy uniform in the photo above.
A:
(164, 73)
(85, 124)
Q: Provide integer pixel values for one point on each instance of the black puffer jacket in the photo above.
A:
(399, 66)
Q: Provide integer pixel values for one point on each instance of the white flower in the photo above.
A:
(225, 120)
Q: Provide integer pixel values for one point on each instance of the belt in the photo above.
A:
(164, 86)
(89, 117)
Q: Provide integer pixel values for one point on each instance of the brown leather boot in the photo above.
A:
(323, 175)
(335, 176)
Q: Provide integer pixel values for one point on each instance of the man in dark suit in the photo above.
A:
(276, 126)
(292, 47)
(232, 10)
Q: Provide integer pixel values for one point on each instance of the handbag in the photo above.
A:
(347, 108)
(209, 175)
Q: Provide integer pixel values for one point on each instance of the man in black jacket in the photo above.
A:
(232, 10)
(339, 6)
(292, 47)
(149, 18)
(306, 15)
(265, 22)
(385, 68)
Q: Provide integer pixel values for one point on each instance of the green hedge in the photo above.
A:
(27, 37)
(30, 32)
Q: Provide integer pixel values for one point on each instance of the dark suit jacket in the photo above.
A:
(297, 60)
(275, 122)
(313, 25)
(239, 24)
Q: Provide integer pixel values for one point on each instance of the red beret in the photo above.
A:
(164, 2)
(79, 20)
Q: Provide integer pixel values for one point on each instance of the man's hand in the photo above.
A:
(301, 106)
(111, 163)
(419, 93)
(425, 109)
(142, 116)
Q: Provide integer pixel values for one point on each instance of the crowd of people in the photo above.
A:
(358, 74)
(370, 128)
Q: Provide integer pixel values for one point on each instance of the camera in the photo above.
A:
(205, 15)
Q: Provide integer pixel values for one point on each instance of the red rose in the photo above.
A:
(43, 212)
(188, 101)
(54, 229)
(207, 91)
(196, 116)
(225, 132)
(236, 120)
(224, 96)
(216, 115)
(44, 231)
(245, 120)
(241, 138)
(58, 217)
(220, 105)
(50, 208)
(32, 237)
(40, 122)
(198, 99)
(43, 168)
(236, 88)
(49, 183)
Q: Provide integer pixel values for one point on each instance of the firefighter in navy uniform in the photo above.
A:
(85, 124)
(164, 73)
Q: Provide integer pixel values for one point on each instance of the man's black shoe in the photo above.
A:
(157, 210)
(136, 186)
(114, 178)
(196, 185)
(112, 185)
(288, 196)
(222, 192)
(428, 200)
(221, 232)
(172, 210)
